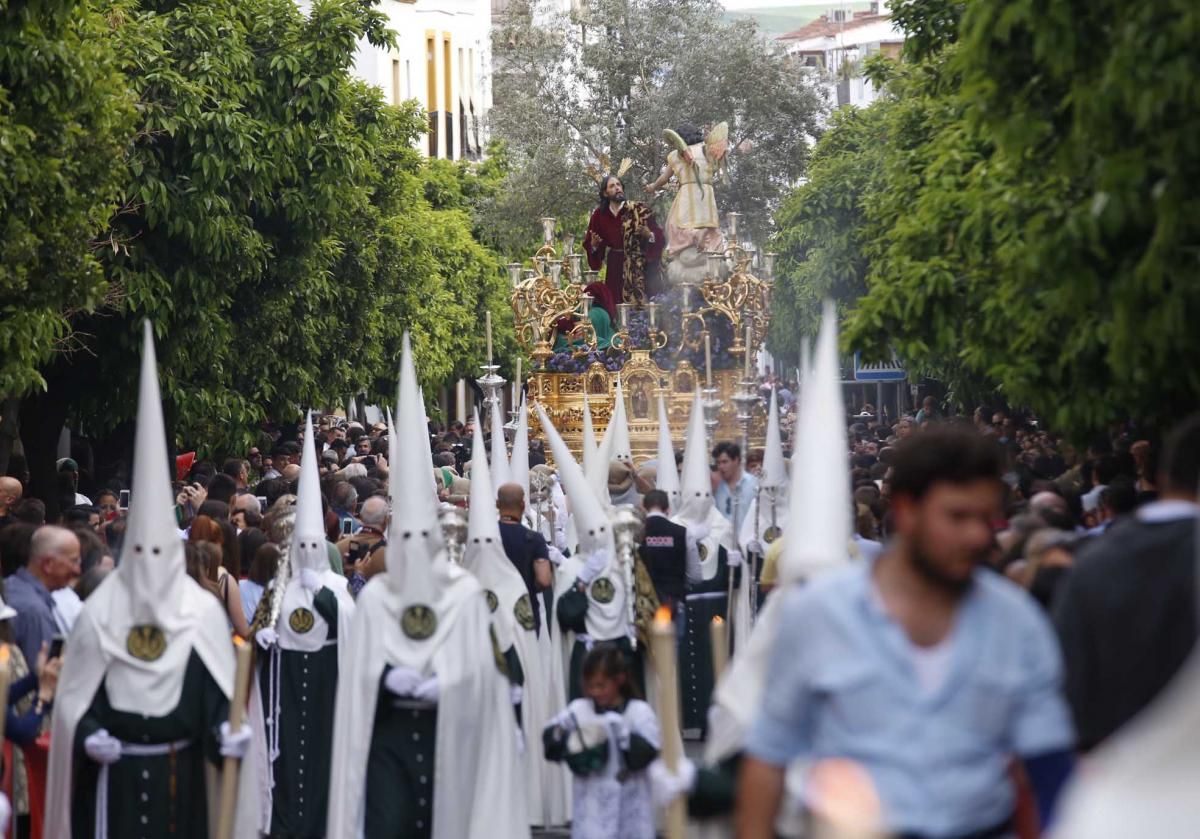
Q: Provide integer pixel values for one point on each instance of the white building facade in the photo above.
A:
(442, 59)
(834, 46)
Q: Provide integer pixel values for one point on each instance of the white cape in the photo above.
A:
(92, 656)
(477, 787)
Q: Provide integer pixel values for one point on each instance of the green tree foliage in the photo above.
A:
(1030, 223)
(605, 81)
(277, 227)
(65, 116)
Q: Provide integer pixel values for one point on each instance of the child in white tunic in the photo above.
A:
(607, 740)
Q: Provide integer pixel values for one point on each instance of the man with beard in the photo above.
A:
(624, 236)
(930, 673)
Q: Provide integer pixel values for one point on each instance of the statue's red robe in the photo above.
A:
(631, 243)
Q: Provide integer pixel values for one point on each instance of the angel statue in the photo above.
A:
(693, 227)
(624, 236)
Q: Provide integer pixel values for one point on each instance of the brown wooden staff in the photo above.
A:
(237, 712)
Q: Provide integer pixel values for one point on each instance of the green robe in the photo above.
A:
(157, 796)
(704, 601)
(399, 799)
(307, 697)
(399, 795)
(601, 322)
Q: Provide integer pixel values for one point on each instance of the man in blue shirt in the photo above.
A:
(930, 673)
(735, 489)
(54, 558)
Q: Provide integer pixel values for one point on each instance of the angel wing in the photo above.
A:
(626, 162)
(593, 172)
(675, 141)
(716, 144)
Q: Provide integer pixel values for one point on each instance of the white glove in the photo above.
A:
(596, 563)
(556, 556)
(428, 690)
(515, 694)
(266, 637)
(235, 743)
(617, 727)
(310, 579)
(402, 681)
(698, 531)
(755, 547)
(102, 747)
(666, 785)
(735, 558)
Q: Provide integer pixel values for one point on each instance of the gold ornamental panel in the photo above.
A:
(642, 381)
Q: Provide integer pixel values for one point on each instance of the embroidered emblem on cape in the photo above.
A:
(146, 642)
(301, 620)
(771, 534)
(492, 600)
(523, 612)
(703, 549)
(603, 591)
(419, 622)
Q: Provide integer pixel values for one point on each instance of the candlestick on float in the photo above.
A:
(707, 360)
(662, 647)
(720, 647)
(488, 328)
(749, 338)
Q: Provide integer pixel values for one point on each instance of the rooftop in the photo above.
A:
(823, 27)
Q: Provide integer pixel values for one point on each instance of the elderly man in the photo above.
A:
(54, 562)
(10, 494)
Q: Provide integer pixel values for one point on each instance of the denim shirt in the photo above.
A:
(842, 684)
(726, 501)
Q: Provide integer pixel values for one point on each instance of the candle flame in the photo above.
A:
(238, 641)
(4, 655)
(718, 620)
(663, 615)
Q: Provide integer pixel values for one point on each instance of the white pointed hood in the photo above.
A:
(621, 448)
(499, 451)
(308, 538)
(774, 470)
(589, 454)
(696, 498)
(417, 564)
(819, 524)
(591, 521)
(152, 566)
(667, 477)
(519, 462)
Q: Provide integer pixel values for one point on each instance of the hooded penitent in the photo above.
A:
(513, 620)
(138, 630)
(818, 528)
(596, 562)
(426, 614)
(618, 429)
(764, 520)
(499, 460)
(667, 473)
(596, 457)
(696, 498)
(307, 641)
(519, 462)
